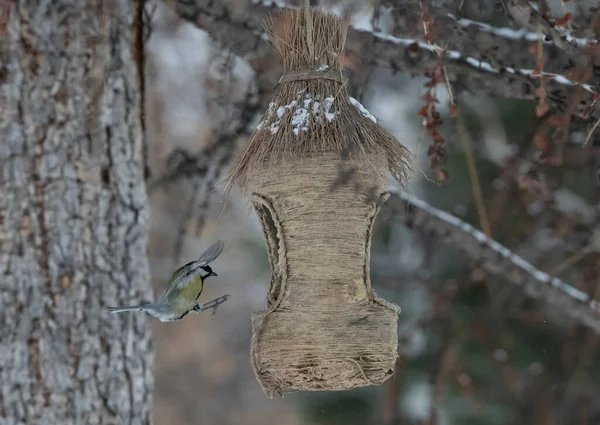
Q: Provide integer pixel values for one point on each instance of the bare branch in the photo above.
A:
(243, 34)
(210, 162)
(501, 47)
(494, 257)
(528, 16)
(512, 34)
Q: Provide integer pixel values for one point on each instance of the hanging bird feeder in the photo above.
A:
(316, 171)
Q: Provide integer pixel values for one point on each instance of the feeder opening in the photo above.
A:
(275, 246)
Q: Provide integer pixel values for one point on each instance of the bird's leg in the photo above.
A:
(199, 308)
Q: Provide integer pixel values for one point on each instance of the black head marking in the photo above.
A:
(207, 271)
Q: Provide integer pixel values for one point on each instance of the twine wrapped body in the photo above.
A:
(316, 171)
(324, 328)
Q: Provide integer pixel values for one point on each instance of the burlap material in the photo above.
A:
(324, 327)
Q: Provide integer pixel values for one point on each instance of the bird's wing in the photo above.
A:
(181, 296)
(211, 253)
(182, 281)
(178, 278)
(179, 273)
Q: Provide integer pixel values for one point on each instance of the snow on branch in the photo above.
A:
(242, 32)
(481, 65)
(551, 28)
(513, 34)
(495, 258)
(496, 45)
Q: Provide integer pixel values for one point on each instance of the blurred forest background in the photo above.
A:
(474, 348)
(516, 156)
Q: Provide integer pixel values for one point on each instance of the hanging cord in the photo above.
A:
(312, 74)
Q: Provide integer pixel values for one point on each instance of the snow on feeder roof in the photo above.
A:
(324, 327)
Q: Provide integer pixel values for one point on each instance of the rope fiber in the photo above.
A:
(324, 327)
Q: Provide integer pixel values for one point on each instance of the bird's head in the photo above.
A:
(206, 271)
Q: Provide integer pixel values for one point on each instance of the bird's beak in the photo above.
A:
(213, 274)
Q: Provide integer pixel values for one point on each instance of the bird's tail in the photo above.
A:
(141, 307)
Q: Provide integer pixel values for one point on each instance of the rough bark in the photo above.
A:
(73, 216)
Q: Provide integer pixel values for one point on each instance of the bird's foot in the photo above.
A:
(199, 308)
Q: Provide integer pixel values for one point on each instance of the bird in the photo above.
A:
(185, 286)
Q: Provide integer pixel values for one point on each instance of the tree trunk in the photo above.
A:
(73, 215)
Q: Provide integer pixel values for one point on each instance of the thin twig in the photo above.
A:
(573, 259)
(589, 135)
(475, 183)
(390, 397)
